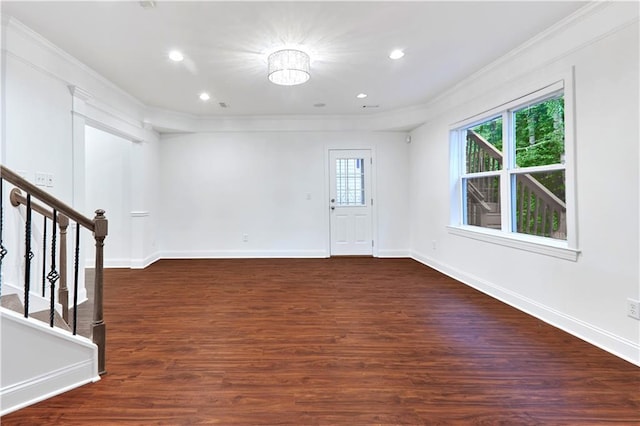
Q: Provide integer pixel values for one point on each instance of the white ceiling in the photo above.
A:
(226, 43)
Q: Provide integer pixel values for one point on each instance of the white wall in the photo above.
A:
(218, 186)
(37, 140)
(43, 131)
(254, 180)
(587, 297)
(108, 187)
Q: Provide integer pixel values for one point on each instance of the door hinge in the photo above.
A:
(372, 201)
(372, 243)
(370, 160)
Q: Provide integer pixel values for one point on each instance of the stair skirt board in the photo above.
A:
(48, 362)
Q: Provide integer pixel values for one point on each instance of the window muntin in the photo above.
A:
(350, 182)
(527, 191)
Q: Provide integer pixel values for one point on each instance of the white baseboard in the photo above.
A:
(46, 386)
(243, 254)
(394, 253)
(616, 345)
(234, 254)
(143, 263)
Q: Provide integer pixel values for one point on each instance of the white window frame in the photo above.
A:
(564, 249)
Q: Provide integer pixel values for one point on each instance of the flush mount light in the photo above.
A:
(204, 96)
(176, 56)
(396, 54)
(288, 67)
(361, 95)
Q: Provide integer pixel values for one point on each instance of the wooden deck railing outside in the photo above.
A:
(538, 210)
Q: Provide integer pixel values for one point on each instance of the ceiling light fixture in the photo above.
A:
(288, 67)
(204, 96)
(396, 54)
(361, 95)
(176, 56)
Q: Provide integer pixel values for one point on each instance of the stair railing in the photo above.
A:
(539, 211)
(59, 213)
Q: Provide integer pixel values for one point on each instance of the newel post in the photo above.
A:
(98, 328)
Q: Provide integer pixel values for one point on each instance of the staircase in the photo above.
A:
(45, 348)
(538, 210)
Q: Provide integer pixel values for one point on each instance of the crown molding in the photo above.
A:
(402, 119)
(79, 93)
(30, 35)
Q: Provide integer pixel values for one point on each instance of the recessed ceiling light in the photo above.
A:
(361, 95)
(176, 56)
(396, 54)
(205, 96)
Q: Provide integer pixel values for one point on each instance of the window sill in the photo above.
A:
(528, 243)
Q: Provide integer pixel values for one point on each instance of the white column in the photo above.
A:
(79, 98)
(139, 211)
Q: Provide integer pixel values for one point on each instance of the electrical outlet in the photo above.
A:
(633, 308)
(434, 244)
(49, 180)
(245, 238)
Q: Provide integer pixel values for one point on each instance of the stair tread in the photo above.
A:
(12, 302)
(58, 321)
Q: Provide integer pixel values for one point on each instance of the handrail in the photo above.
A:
(98, 226)
(478, 196)
(46, 198)
(543, 192)
(483, 143)
(16, 198)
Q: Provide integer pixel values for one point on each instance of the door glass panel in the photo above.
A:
(350, 182)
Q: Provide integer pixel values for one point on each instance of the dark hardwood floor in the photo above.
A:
(341, 341)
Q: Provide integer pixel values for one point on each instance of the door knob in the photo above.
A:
(333, 200)
(333, 208)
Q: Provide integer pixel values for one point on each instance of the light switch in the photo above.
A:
(41, 179)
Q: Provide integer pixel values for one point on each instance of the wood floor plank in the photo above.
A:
(340, 341)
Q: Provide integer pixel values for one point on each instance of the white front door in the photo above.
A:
(350, 202)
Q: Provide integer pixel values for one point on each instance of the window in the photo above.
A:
(350, 182)
(511, 173)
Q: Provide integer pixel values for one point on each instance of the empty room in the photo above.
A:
(320, 212)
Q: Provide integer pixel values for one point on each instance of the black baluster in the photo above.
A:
(53, 275)
(75, 280)
(28, 255)
(44, 255)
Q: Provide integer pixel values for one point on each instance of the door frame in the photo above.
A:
(327, 193)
